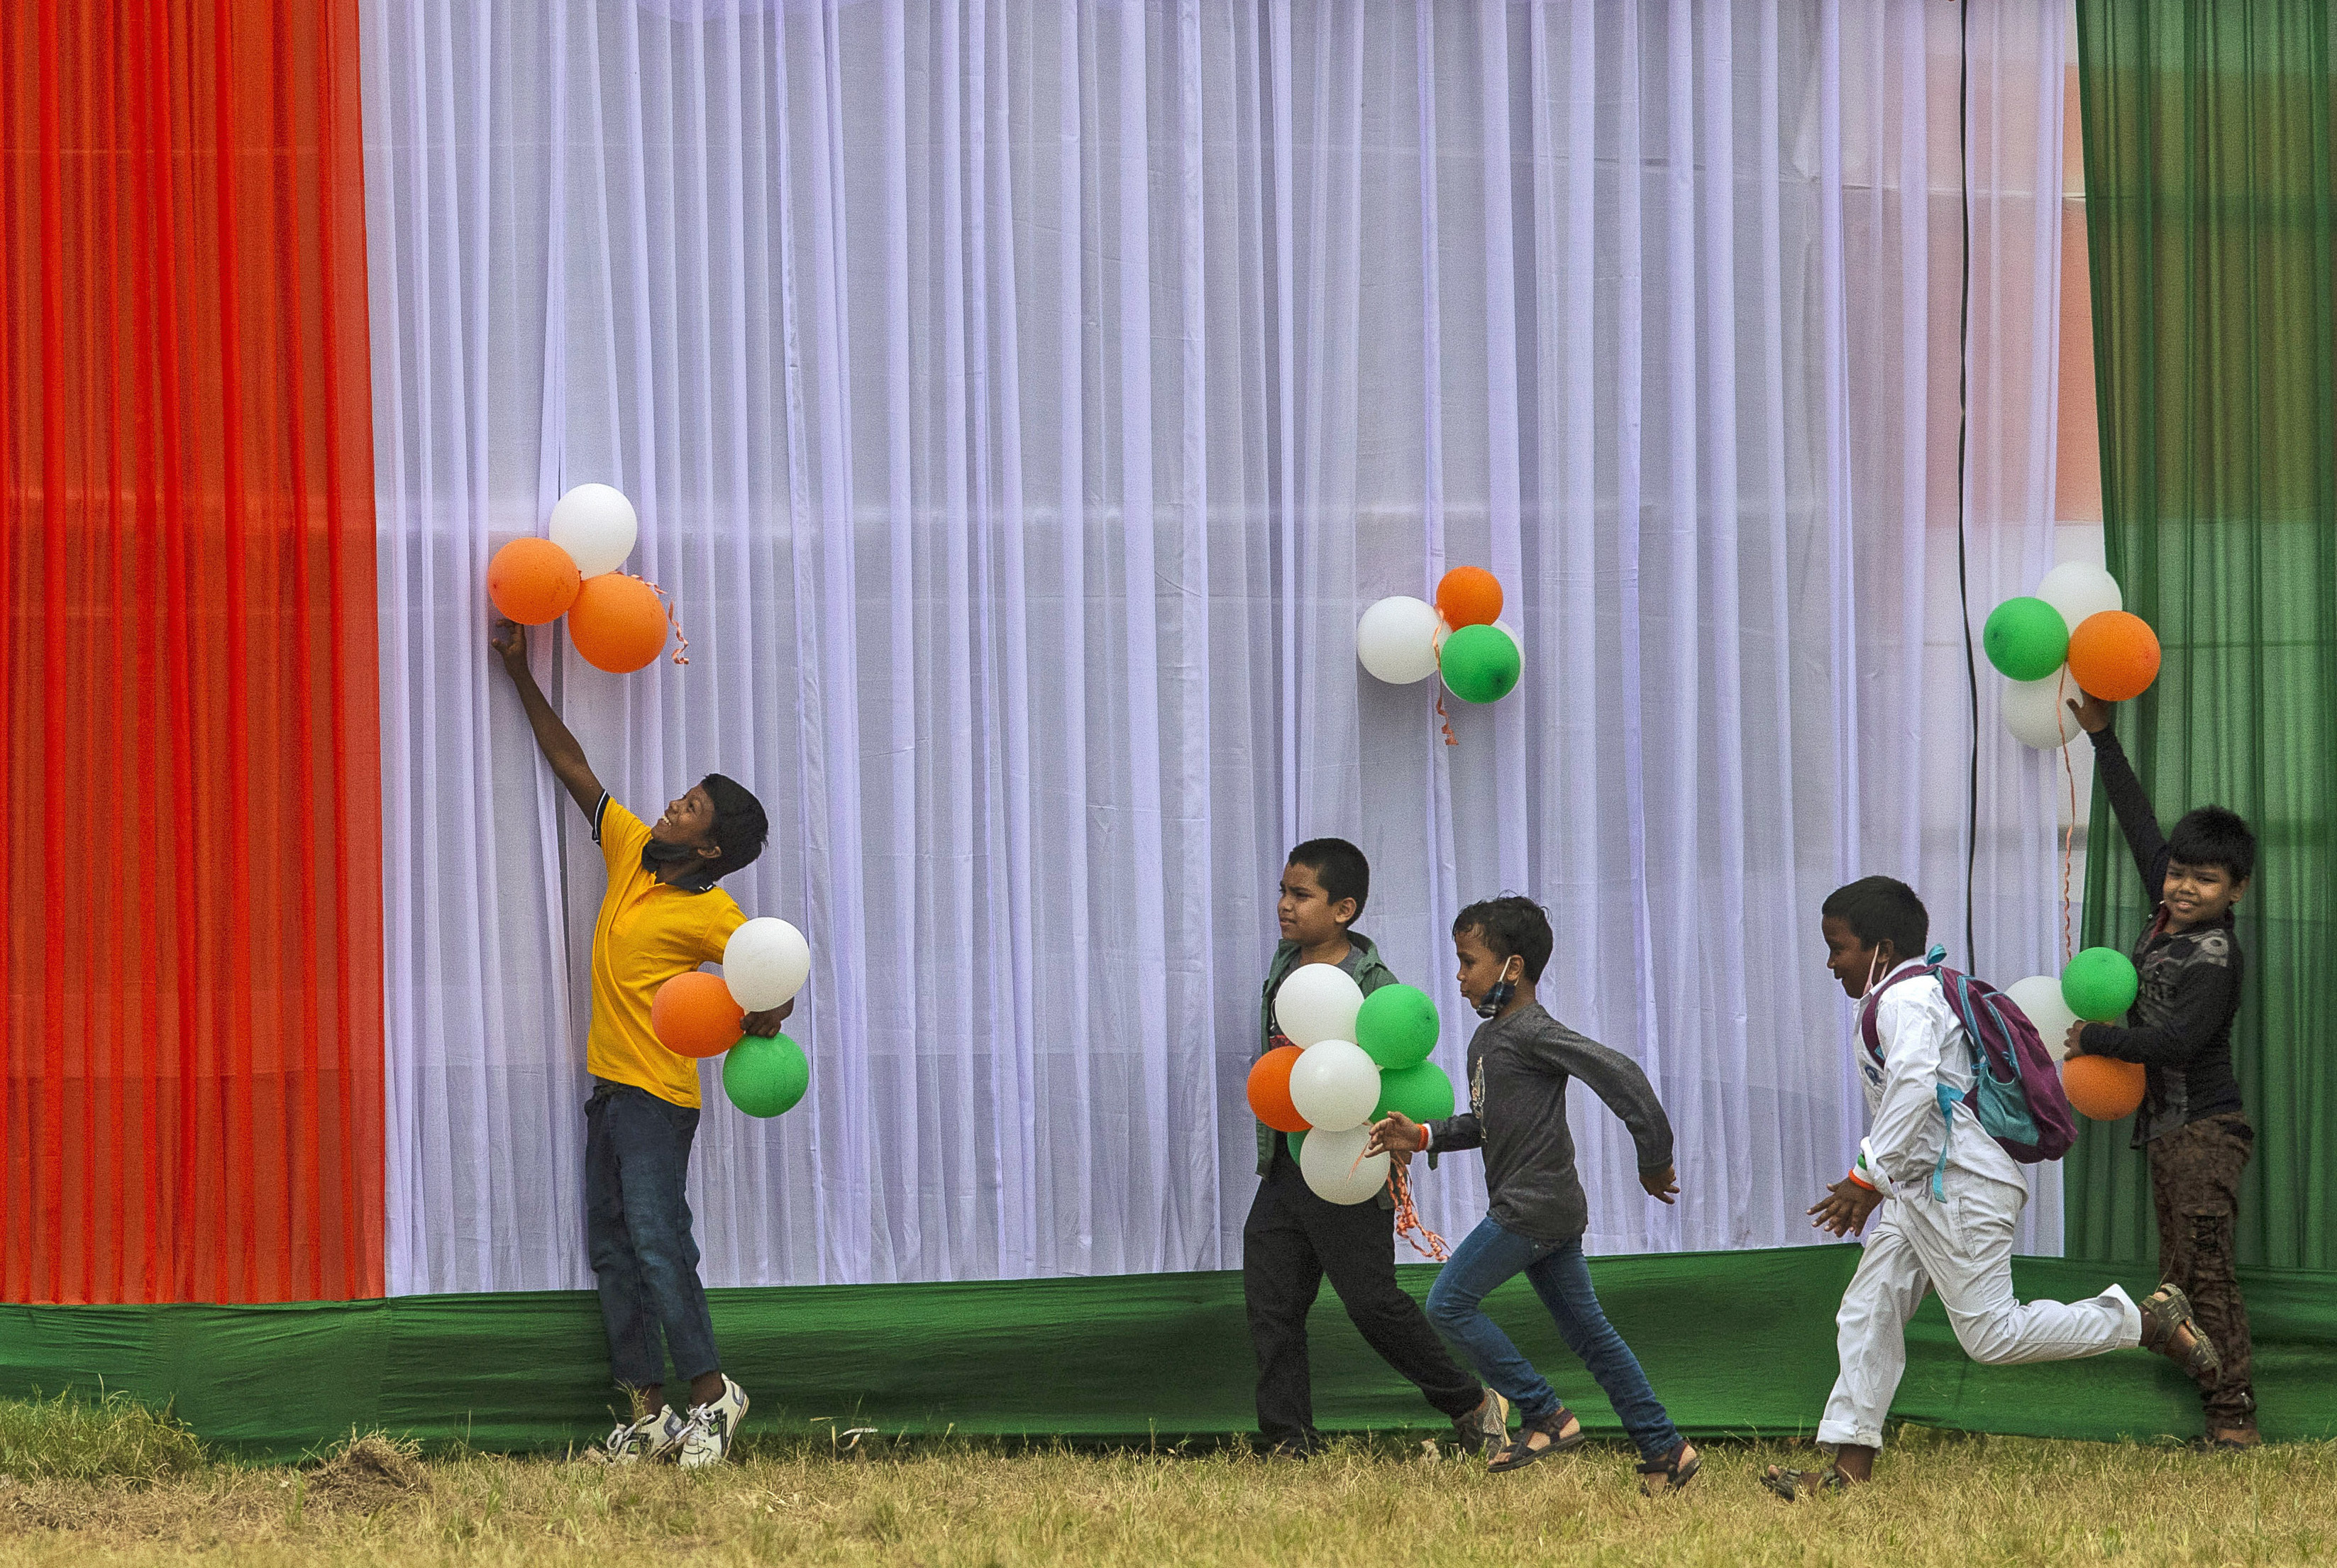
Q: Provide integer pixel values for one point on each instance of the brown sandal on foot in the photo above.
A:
(1521, 1453)
(2165, 1317)
(1678, 1468)
(1793, 1484)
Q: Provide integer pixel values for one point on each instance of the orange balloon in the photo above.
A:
(2114, 655)
(533, 581)
(617, 623)
(1469, 596)
(1270, 1090)
(2102, 1088)
(694, 1014)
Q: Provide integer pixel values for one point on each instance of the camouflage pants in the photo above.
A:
(2194, 1179)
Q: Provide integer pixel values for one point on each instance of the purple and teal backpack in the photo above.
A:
(2016, 1089)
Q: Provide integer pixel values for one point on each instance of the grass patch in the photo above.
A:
(73, 1438)
(1939, 1501)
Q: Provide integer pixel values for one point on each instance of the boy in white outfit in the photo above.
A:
(1954, 1237)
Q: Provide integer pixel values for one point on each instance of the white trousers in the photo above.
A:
(1962, 1247)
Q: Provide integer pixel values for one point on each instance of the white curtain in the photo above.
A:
(1021, 402)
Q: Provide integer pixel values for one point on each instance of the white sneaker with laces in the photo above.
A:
(650, 1439)
(706, 1440)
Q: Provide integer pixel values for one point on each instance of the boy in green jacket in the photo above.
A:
(1292, 1238)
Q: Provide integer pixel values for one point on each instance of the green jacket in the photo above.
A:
(1363, 963)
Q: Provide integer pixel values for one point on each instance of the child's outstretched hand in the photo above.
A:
(509, 640)
(1399, 1134)
(1663, 1185)
(1846, 1208)
(2093, 713)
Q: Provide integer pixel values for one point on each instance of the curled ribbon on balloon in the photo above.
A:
(2070, 833)
(680, 642)
(1409, 1225)
(1447, 718)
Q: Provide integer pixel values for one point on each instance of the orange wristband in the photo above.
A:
(1862, 1180)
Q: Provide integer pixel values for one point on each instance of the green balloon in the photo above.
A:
(2099, 984)
(765, 1074)
(2025, 639)
(1420, 1092)
(1398, 1026)
(1480, 663)
(1296, 1139)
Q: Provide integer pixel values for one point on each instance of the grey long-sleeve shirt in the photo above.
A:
(1519, 1067)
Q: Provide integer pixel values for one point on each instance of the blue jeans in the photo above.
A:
(1490, 1256)
(636, 1228)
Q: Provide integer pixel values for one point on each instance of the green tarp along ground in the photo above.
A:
(1736, 1343)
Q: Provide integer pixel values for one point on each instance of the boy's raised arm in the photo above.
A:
(2136, 818)
(560, 748)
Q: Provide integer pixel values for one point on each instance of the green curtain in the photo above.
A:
(2210, 142)
(1736, 1343)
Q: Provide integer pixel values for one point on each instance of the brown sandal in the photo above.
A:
(1791, 1484)
(1521, 1453)
(1678, 1468)
(2165, 1315)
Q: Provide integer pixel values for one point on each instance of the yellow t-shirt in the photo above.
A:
(647, 933)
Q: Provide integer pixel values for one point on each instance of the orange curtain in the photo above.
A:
(190, 797)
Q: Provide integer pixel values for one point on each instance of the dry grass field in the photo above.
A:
(112, 1483)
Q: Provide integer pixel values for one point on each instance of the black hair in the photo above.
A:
(1340, 866)
(1880, 909)
(1512, 925)
(2213, 836)
(740, 825)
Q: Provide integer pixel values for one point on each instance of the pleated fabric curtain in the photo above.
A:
(2210, 203)
(1023, 402)
(189, 831)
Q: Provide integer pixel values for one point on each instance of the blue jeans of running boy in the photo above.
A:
(1490, 1256)
(637, 1229)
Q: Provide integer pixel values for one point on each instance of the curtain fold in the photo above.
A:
(1024, 401)
(190, 1103)
(2211, 203)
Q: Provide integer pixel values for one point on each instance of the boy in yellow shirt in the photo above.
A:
(661, 916)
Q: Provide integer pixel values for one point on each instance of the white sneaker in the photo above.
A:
(650, 1439)
(705, 1439)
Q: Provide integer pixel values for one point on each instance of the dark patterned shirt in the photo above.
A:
(2180, 1027)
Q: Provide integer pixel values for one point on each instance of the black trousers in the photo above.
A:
(1290, 1241)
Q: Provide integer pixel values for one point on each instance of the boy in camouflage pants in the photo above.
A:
(2192, 1122)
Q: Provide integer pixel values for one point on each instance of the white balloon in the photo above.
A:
(765, 963)
(596, 524)
(1318, 1002)
(1334, 1084)
(1396, 640)
(2038, 713)
(2039, 997)
(1337, 1168)
(2078, 589)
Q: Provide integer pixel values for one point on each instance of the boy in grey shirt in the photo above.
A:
(1520, 1064)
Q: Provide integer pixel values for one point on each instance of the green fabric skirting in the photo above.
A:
(1736, 1343)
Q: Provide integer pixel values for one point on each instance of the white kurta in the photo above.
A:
(1960, 1245)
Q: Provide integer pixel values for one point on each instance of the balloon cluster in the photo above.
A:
(2073, 635)
(2097, 987)
(1351, 1060)
(616, 622)
(764, 964)
(1462, 636)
